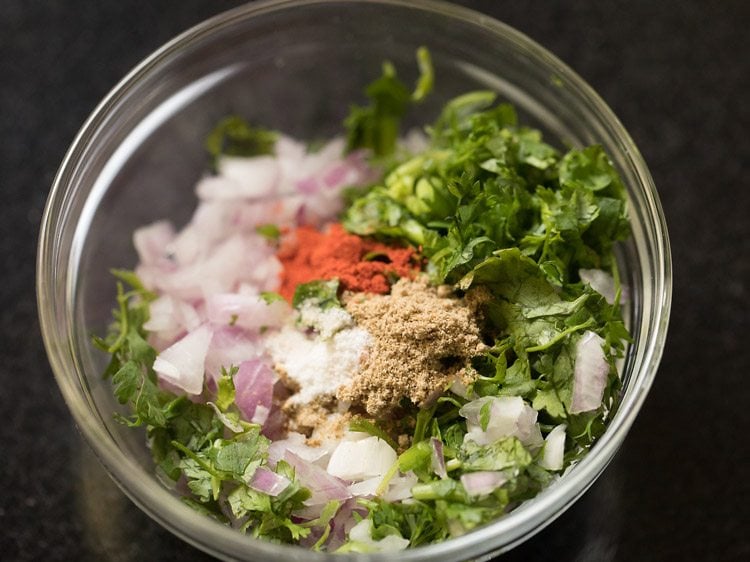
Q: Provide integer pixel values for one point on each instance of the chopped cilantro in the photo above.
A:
(269, 231)
(233, 136)
(271, 297)
(491, 205)
(323, 293)
(366, 426)
(376, 126)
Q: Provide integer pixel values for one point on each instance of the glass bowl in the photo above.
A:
(296, 66)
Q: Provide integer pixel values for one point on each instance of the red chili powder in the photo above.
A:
(359, 264)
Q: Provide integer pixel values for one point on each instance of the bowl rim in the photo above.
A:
(155, 500)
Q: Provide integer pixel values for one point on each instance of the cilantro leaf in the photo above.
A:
(323, 293)
(366, 426)
(233, 136)
(504, 454)
(417, 521)
(426, 79)
(376, 126)
(238, 459)
(486, 184)
(269, 231)
(271, 297)
(130, 365)
(225, 391)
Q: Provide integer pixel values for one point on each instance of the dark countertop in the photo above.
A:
(677, 73)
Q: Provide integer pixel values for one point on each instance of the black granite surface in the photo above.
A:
(676, 72)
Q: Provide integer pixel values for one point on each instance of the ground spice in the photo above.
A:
(359, 264)
(423, 339)
(319, 420)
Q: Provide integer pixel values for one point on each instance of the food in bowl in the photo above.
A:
(377, 342)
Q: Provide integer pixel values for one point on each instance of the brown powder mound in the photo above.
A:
(317, 420)
(422, 340)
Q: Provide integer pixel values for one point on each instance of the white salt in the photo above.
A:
(319, 366)
(325, 322)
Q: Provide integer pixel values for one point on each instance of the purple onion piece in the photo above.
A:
(323, 486)
(438, 459)
(268, 482)
(253, 384)
(484, 482)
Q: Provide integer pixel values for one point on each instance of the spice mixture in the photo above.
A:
(359, 264)
(422, 342)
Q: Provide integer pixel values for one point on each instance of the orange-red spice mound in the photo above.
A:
(360, 265)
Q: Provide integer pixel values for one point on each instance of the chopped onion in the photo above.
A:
(248, 215)
(230, 346)
(319, 207)
(366, 487)
(183, 363)
(399, 488)
(163, 315)
(362, 532)
(601, 281)
(554, 449)
(211, 223)
(296, 443)
(219, 188)
(275, 425)
(508, 416)
(269, 482)
(337, 175)
(261, 414)
(219, 272)
(323, 486)
(358, 460)
(253, 177)
(438, 460)
(151, 242)
(308, 186)
(251, 312)
(253, 385)
(459, 388)
(238, 259)
(288, 148)
(169, 318)
(483, 482)
(343, 522)
(589, 374)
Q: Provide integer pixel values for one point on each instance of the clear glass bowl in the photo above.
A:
(295, 66)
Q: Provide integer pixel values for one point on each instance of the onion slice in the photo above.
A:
(589, 374)
(362, 533)
(554, 449)
(508, 416)
(296, 443)
(323, 486)
(253, 386)
(183, 363)
(268, 482)
(151, 242)
(483, 482)
(343, 522)
(601, 281)
(358, 460)
(438, 459)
